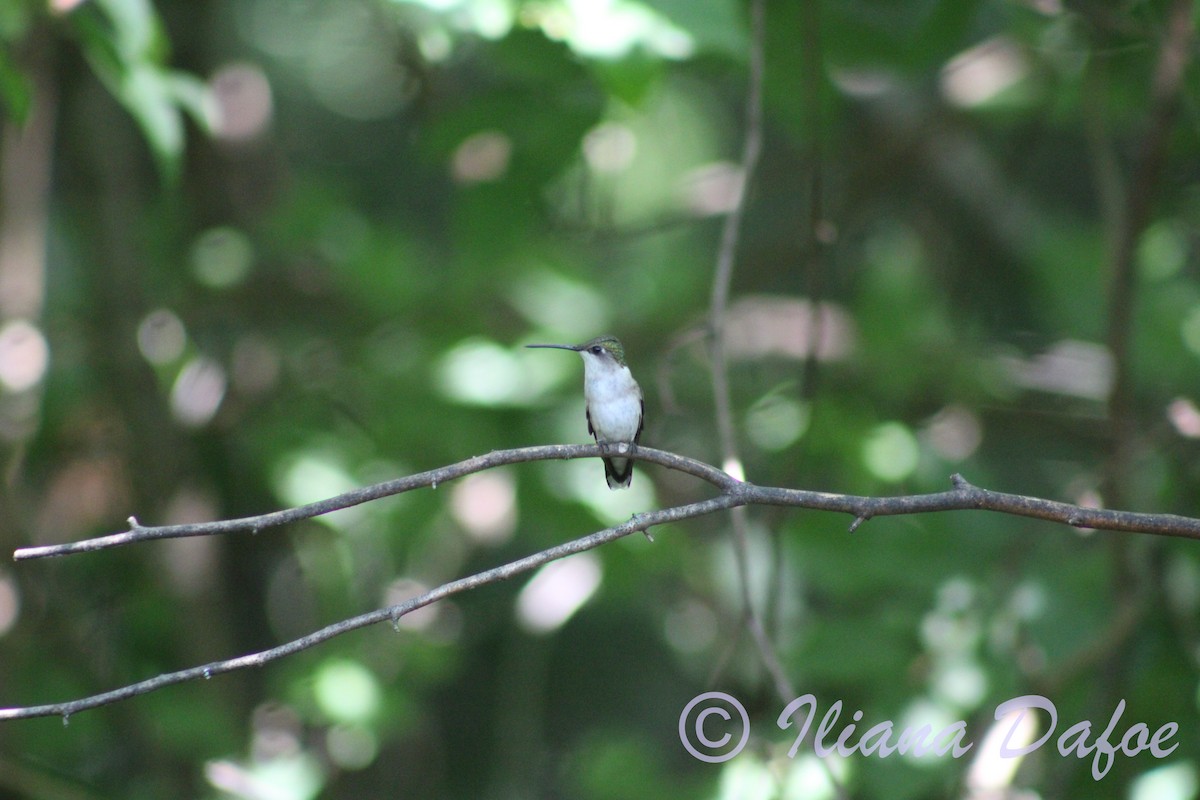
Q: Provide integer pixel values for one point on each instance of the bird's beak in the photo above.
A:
(574, 347)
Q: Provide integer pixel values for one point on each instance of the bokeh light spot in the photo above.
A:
(222, 257)
(954, 433)
(609, 147)
(10, 603)
(346, 691)
(776, 422)
(557, 591)
(1175, 781)
(198, 392)
(891, 452)
(485, 505)
(979, 74)
(24, 355)
(161, 337)
(1162, 251)
(351, 746)
(481, 157)
(712, 189)
(483, 373)
(243, 102)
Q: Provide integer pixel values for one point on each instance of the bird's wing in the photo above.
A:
(588, 413)
(637, 437)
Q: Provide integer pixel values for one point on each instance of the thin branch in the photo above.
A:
(819, 233)
(639, 522)
(730, 232)
(142, 533)
(1138, 206)
(722, 280)
(1131, 215)
(963, 496)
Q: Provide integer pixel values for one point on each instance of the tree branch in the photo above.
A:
(718, 305)
(732, 493)
(142, 533)
(638, 522)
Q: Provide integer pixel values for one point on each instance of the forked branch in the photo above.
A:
(731, 493)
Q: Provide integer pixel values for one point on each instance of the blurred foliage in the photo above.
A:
(327, 283)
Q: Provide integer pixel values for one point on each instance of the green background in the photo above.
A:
(283, 248)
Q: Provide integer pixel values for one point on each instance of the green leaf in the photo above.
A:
(136, 32)
(127, 50)
(146, 93)
(193, 97)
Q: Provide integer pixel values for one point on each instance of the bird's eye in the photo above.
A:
(597, 349)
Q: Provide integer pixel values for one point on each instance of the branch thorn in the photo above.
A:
(959, 482)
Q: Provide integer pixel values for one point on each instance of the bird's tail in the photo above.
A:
(618, 472)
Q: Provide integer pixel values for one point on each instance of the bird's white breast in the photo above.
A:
(614, 400)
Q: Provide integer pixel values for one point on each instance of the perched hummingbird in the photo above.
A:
(613, 399)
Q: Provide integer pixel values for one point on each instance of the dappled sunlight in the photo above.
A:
(198, 391)
(297, 777)
(776, 422)
(161, 337)
(629, 174)
(610, 147)
(810, 778)
(562, 306)
(318, 474)
(977, 75)
(746, 778)
(608, 28)
(1069, 367)
(222, 257)
(761, 567)
(1177, 781)
(1162, 251)
(556, 591)
(190, 564)
(782, 327)
(481, 157)
(734, 467)
(1189, 328)
(936, 717)
(419, 619)
(244, 106)
(582, 480)
(84, 492)
(690, 627)
(712, 189)
(485, 505)
(954, 433)
(10, 602)
(24, 356)
(295, 250)
(991, 772)
(351, 746)
(481, 372)
(1184, 417)
(347, 691)
(891, 452)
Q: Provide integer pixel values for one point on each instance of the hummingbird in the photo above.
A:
(613, 401)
